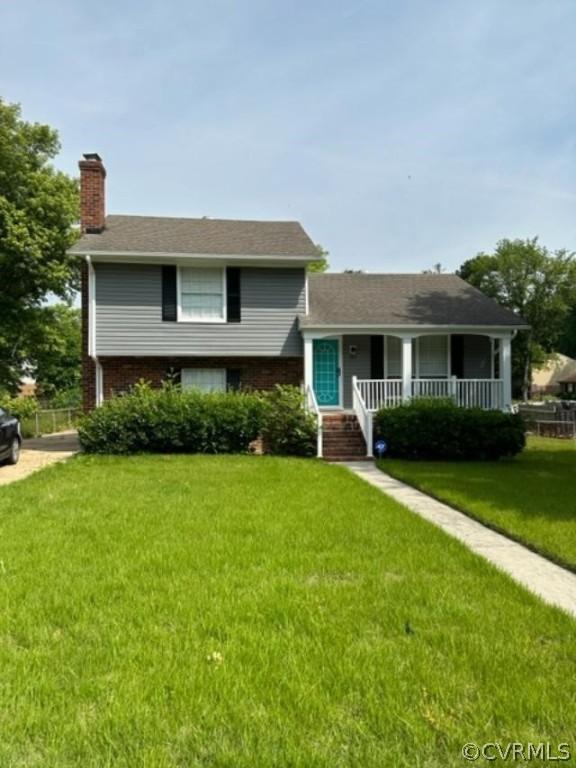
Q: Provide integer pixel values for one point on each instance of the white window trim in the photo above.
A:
(203, 320)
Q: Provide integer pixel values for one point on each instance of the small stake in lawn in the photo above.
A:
(380, 447)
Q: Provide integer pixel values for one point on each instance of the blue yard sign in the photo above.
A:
(380, 447)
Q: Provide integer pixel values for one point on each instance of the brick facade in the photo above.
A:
(92, 194)
(121, 373)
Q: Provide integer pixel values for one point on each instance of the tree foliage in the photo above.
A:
(54, 354)
(38, 209)
(538, 285)
(322, 264)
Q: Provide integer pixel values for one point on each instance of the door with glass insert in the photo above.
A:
(326, 372)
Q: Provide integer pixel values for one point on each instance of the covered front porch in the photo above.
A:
(366, 372)
(387, 369)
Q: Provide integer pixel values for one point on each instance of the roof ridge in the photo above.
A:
(201, 218)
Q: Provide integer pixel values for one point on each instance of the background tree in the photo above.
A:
(322, 264)
(539, 286)
(437, 269)
(53, 355)
(38, 209)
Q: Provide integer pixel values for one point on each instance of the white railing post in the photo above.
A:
(312, 406)
(454, 394)
(363, 415)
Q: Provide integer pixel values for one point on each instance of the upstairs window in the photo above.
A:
(202, 294)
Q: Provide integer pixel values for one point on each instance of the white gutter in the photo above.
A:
(158, 257)
(92, 331)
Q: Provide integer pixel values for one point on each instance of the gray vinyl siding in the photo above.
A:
(129, 315)
(354, 366)
(477, 357)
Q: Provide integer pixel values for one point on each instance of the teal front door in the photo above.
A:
(325, 376)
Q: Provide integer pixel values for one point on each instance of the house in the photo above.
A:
(551, 377)
(228, 304)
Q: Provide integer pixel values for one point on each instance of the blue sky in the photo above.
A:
(401, 134)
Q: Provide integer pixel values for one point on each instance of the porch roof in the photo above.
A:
(397, 299)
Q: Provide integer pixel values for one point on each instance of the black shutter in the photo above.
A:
(233, 294)
(457, 356)
(169, 294)
(376, 357)
(233, 379)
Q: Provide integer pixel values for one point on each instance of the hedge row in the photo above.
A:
(167, 420)
(439, 430)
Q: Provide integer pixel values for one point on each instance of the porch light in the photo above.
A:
(352, 350)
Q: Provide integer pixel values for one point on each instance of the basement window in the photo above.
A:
(204, 379)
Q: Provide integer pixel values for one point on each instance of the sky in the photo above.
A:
(400, 134)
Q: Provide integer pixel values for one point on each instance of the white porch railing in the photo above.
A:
(467, 393)
(312, 406)
(377, 393)
(363, 414)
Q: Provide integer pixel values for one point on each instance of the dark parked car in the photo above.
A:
(10, 438)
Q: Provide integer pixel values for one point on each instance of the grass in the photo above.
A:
(531, 497)
(257, 612)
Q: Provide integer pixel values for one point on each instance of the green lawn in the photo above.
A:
(531, 497)
(257, 612)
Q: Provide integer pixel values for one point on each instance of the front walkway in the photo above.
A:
(549, 581)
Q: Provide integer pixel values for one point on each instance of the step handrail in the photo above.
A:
(363, 415)
(312, 406)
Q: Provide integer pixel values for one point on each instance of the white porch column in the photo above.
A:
(308, 362)
(406, 368)
(506, 371)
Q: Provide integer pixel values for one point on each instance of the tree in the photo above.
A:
(322, 264)
(38, 209)
(54, 353)
(539, 286)
(437, 269)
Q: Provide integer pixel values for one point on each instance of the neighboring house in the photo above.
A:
(227, 304)
(548, 379)
(568, 386)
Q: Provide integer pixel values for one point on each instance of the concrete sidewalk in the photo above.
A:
(550, 582)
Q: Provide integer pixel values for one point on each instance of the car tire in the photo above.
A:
(14, 454)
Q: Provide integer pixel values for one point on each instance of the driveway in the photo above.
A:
(39, 452)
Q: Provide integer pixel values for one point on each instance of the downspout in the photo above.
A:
(92, 332)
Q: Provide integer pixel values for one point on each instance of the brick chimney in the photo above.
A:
(92, 194)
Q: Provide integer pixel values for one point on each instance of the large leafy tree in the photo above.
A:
(538, 285)
(38, 209)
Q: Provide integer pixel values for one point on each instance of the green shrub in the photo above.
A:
(288, 428)
(439, 430)
(168, 420)
(22, 407)
(67, 398)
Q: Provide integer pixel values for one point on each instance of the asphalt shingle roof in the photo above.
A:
(392, 300)
(153, 234)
